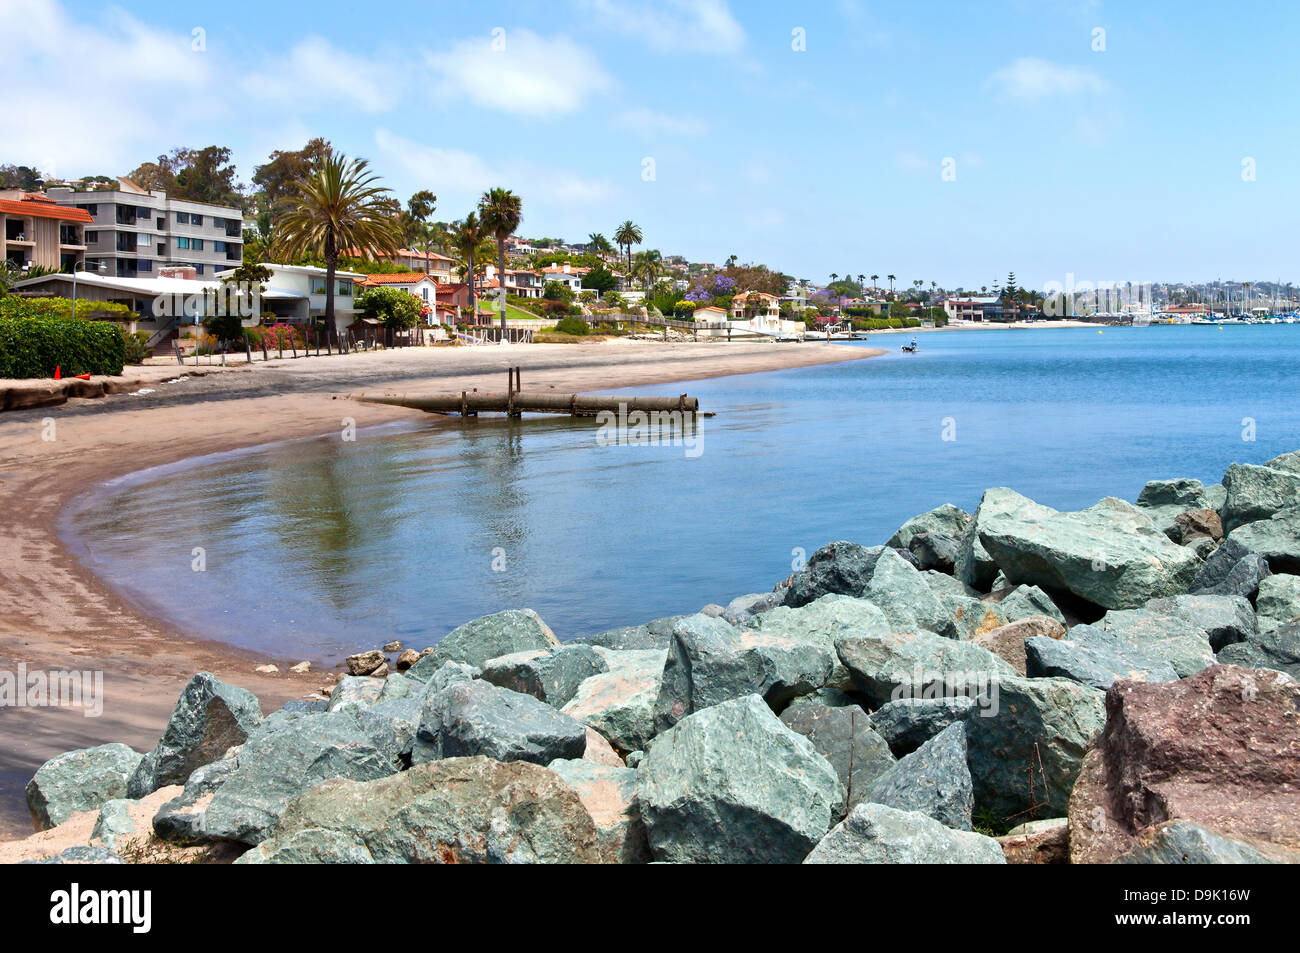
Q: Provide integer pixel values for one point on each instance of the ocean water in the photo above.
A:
(315, 549)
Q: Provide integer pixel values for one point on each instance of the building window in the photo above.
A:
(198, 269)
(318, 286)
(142, 240)
(218, 246)
(144, 265)
(343, 288)
(196, 219)
(425, 293)
(182, 243)
(92, 209)
(196, 244)
(92, 238)
(182, 218)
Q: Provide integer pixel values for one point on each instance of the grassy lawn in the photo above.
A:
(511, 311)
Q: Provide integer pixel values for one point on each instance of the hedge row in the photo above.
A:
(34, 339)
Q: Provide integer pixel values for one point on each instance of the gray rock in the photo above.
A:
(1163, 629)
(180, 820)
(1038, 728)
(934, 551)
(1094, 657)
(942, 584)
(843, 736)
(456, 811)
(81, 854)
(822, 621)
(878, 834)
(903, 595)
(478, 718)
(1183, 842)
(489, 637)
(210, 717)
(1163, 500)
(908, 723)
(968, 619)
(1277, 649)
(1217, 494)
(1224, 618)
(975, 565)
(398, 686)
(1278, 603)
(310, 846)
(1256, 493)
(281, 760)
(114, 821)
(947, 519)
(552, 676)
(355, 691)
(918, 665)
(80, 780)
(933, 780)
(1110, 554)
(745, 610)
(839, 567)
(620, 703)
(634, 638)
(711, 661)
(731, 784)
(392, 725)
(609, 795)
(1231, 570)
(1277, 539)
(1023, 602)
(299, 706)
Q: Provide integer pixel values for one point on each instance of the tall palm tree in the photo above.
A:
(466, 240)
(874, 278)
(500, 212)
(337, 206)
(628, 234)
(647, 266)
(598, 244)
(891, 285)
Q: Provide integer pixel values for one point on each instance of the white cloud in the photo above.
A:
(532, 75)
(317, 75)
(650, 123)
(90, 97)
(670, 26)
(462, 176)
(1030, 79)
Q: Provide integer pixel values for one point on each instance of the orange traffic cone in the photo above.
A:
(83, 377)
(57, 375)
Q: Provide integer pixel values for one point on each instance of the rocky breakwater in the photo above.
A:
(1017, 684)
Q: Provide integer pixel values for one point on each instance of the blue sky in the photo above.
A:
(1121, 164)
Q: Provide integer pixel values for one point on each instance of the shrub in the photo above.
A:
(574, 326)
(35, 338)
(396, 308)
(134, 346)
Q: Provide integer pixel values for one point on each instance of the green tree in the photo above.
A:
(397, 309)
(628, 234)
(599, 279)
(467, 239)
(500, 211)
(598, 244)
(200, 175)
(340, 205)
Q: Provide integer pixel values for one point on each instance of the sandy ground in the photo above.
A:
(54, 615)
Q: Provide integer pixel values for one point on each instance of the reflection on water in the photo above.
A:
(315, 549)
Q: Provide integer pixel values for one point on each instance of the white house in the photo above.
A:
(304, 286)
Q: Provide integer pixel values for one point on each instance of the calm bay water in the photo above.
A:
(315, 549)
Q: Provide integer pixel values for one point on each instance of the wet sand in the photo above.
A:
(55, 615)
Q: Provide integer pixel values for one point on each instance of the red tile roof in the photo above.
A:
(402, 278)
(42, 206)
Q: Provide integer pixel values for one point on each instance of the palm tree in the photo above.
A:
(500, 212)
(336, 207)
(891, 285)
(598, 244)
(647, 266)
(628, 234)
(466, 239)
(834, 275)
(873, 281)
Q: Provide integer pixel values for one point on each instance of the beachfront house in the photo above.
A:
(439, 267)
(520, 282)
(566, 274)
(36, 231)
(977, 308)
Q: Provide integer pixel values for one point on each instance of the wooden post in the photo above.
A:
(293, 347)
(248, 351)
(265, 357)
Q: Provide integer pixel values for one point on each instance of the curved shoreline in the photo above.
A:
(57, 614)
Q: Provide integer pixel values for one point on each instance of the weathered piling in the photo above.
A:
(515, 402)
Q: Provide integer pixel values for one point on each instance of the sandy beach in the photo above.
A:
(55, 615)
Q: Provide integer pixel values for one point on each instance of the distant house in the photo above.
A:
(565, 274)
(306, 286)
(754, 304)
(36, 230)
(976, 308)
(439, 267)
(525, 284)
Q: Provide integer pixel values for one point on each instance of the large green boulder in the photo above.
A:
(457, 811)
(843, 736)
(81, 780)
(879, 834)
(210, 717)
(1276, 538)
(551, 675)
(1257, 492)
(946, 519)
(620, 703)
(489, 637)
(918, 664)
(933, 780)
(731, 784)
(479, 718)
(976, 566)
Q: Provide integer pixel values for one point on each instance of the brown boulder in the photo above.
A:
(1038, 842)
(366, 663)
(1008, 642)
(1220, 749)
(407, 659)
(1197, 524)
